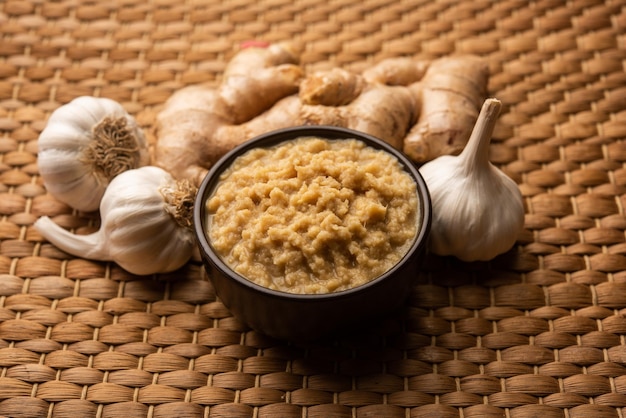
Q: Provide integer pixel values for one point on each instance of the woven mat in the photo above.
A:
(538, 332)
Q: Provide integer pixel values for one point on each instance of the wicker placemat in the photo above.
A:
(538, 332)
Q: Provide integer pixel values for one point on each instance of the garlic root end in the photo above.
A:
(115, 148)
(179, 201)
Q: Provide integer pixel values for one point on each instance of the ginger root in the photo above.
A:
(253, 81)
(349, 101)
(399, 71)
(336, 87)
(425, 108)
(453, 91)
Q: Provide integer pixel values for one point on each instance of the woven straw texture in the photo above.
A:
(540, 331)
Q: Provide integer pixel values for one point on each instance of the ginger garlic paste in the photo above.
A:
(313, 216)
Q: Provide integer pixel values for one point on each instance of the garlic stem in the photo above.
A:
(476, 152)
(87, 246)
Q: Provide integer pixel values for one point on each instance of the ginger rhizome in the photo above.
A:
(424, 108)
(453, 91)
(190, 135)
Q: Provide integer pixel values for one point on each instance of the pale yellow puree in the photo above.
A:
(313, 216)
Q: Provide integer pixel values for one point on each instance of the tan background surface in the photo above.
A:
(537, 332)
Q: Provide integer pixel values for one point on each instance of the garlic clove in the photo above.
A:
(145, 225)
(478, 211)
(66, 178)
(85, 144)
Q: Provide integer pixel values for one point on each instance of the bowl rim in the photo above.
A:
(277, 136)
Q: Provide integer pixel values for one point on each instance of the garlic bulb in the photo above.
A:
(85, 144)
(145, 224)
(478, 211)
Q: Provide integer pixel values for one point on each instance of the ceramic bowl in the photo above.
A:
(309, 316)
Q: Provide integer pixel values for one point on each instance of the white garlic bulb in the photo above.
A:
(85, 144)
(145, 224)
(478, 211)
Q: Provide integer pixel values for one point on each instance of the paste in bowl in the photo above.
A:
(312, 215)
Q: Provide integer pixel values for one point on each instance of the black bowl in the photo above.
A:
(302, 316)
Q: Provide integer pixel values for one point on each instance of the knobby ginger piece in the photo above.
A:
(453, 90)
(386, 112)
(256, 78)
(253, 81)
(263, 89)
(341, 98)
(285, 113)
(399, 71)
(335, 87)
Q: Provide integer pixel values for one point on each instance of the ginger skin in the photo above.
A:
(453, 90)
(386, 112)
(199, 124)
(399, 71)
(424, 108)
(335, 87)
(186, 141)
